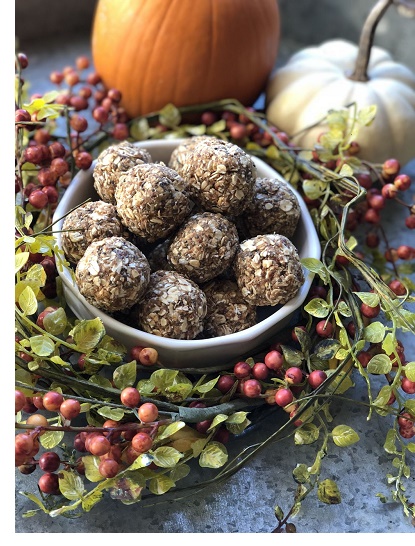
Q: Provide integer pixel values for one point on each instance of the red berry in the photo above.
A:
(368, 311)
(120, 131)
(41, 317)
(365, 180)
(141, 442)
(260, 371)
(377, 202)
(52, 400)
(274, 360)
(70, 409)
(389, 191)
(135, 352)
(251, 388)
(100, 114)
(203, 426)
(208, 118)
(397, 287)
(99, 445)
(130, 397)
(83, 160)
(38, 199)
(407, 432)
(372, 216)
(49, 483)
(406, 420)
(316, 378)
(364, 357)
(49, 461)
(56, 149)
(148, 412)
(402, 182)
(148, 356)
(405, 252)
(82, 62)
(241, 370)
(293, 375)
(108, 468)
(19, 401)
(390, 167)
(225, 383)
(284, 397)
(408, 386)
(324, 329)
(410, 221)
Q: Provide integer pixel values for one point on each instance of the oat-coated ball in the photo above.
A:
(112, 162)
(89, 222)
(203, 247)
(268, 270)
(113, 274)
(179, 156)
(227, 310)
(150, 200)
(274, 208)
(173, 306)
(220, 175)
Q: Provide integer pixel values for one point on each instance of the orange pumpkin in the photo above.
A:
(185, 52)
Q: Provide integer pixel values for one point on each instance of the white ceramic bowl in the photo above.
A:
(202, 353)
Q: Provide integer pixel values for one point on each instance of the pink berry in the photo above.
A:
(284, 397)
(316, 378)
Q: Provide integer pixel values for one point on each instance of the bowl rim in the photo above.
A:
(258, 329)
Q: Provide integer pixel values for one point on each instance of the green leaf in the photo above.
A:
(87, 334)
(42, 345)
(170, 116)
(217, 420)
(316, 266)
(51, 439)
(143, 460)
(279, 514)
(160, 484)
(214, 455)
(390, 441)
(237, 418)
(293, 357)
(374, 332)
(308, 433)
(28, 301)
(410, 371)
(411, 447)
(34, 499)
(383, 397)
(91, 463)
(169, 430)
(90, 500)
(340, 384)
(111, 413)
(389, 344)
(317, 307)
(379, 364)
(71, 485)
(314, 188)
(369, 298)
(206, 387)
(344, 436)
(328, 492)
(345, 171)
(301, 473)
(125, 375)
(20, 260)
(166, 457)
(326, 348)
(179, 472)
(55, 322)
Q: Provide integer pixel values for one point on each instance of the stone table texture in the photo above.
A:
(245, 503)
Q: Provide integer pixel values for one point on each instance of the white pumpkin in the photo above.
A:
(316, 79)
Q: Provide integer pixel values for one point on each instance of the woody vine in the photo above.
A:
(93, 418)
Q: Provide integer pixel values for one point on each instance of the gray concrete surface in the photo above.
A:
(245, 503)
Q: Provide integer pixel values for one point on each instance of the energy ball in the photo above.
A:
(88, 223)
(221, 176)
(111, 163)
(173, 306)
(227, 310)
(268, 270)
(113, 274)
(203, 247)
(151, 202)
(274, 209)
(179, 156)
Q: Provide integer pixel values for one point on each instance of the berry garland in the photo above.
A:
(135, 426)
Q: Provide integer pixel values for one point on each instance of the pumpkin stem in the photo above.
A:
(366, 40)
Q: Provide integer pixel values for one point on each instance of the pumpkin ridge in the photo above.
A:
(148, 74)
